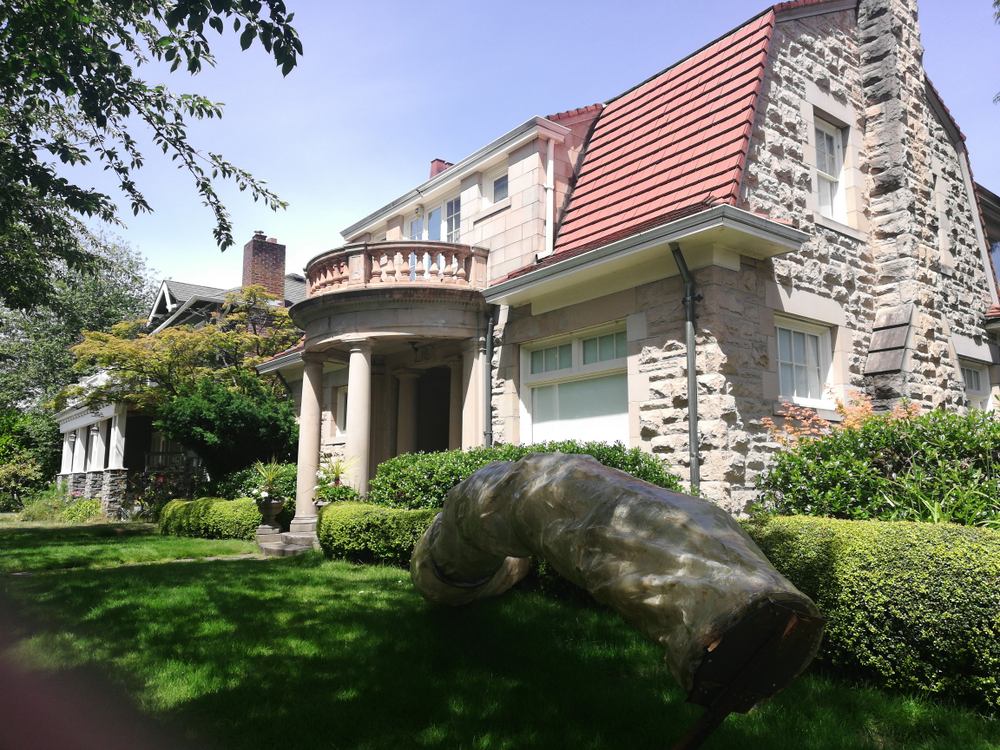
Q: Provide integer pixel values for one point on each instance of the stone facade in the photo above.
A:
(911, 242)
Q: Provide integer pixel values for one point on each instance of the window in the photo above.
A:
(576, 389)
(340, 410)
(416, 228)
(803, 362)
(995, 256)
(453, 216)
(977, 385)
(434, 225)
(495, 186)
(829, 166)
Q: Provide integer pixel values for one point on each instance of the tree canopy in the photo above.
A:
(71, 94)
(148, 370)
(35, 358)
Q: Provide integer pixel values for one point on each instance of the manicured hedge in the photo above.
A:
(421, 480)
(914, 606)
(211, 518)
(366, 533)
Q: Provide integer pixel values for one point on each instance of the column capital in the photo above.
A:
(314, 358)
(359, 344)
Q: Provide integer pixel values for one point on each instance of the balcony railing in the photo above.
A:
(397, 263)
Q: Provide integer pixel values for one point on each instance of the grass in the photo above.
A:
(308, 653)
(41, 547)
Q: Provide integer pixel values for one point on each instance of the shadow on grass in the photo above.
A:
(42, 548)
(304, 653)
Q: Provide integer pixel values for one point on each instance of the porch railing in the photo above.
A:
(398, 263)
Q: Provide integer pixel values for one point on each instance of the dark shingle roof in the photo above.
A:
(181, 291)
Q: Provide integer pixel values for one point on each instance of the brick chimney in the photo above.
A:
(264, 264)
(438, 166)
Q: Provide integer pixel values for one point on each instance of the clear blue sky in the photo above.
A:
(385, 87)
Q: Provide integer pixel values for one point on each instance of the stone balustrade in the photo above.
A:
(397, 263)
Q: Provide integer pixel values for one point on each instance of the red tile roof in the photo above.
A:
(674, 143)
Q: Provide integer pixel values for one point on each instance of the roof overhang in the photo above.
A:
(75, 417)
(179, 312)
(716, 236)
(439, 185)
(282, 363)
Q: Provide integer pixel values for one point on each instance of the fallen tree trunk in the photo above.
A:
(678, 568)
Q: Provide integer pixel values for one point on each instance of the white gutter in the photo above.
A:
(523, 133)
(550, 201)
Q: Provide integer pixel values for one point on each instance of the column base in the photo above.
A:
(303, 525)
(268, 533)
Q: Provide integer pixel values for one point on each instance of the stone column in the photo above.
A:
(309, 438)
(116, 460)
(473, 355)
(406, 411)
(359, 387)
(455, 393)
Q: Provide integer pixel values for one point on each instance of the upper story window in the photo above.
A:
(804, 357)
(495, 186)
(453, 217)
(441, 221)
(829, 171)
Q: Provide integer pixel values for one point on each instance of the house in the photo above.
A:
(102, 448)
(796, 189)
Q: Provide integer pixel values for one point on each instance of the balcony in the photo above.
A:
(396, 294)
(407, 264)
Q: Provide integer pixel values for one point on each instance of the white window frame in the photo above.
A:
(424, 216)
(489, 185)
(838, 203)
(578, 370)
(823, 333)
(981, 398)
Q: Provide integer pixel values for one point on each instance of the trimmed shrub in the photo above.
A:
(366, 533)
(912, 606)
(211, 518)
(937, 466)
(337, 493)
(421, 480)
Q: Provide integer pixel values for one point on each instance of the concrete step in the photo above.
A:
(291, 537)
(281, 549)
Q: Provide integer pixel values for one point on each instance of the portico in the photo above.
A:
(401, 327)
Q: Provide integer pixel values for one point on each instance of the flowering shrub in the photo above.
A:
(900, 465)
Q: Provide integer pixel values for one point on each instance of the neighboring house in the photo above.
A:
(812, 180)
(102, 448)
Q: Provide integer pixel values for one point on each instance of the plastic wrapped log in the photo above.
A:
(679, 569)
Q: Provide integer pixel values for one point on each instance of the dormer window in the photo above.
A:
(829, 168)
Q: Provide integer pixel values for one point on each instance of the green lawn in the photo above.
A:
(42, 547)
(306, 653)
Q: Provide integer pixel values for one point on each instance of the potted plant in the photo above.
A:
(268, 498)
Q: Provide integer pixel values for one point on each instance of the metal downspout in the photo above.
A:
(691, 298)
(488, 379)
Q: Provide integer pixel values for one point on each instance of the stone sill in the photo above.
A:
(836, 226)
(827, 412)
(492, 210)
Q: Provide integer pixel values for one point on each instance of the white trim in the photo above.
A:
(981, 398)
(576, 372)
(536, 127)
(825, 363)
(489, 184)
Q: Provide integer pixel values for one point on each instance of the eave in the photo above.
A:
(524, 133)
(715, 236)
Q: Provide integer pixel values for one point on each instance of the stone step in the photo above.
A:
(280, 549)
(292, 537)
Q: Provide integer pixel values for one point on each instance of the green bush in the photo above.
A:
(421, 480)
(913, 606)
(366, 533)
(938, 466)
(211, 518)
(29, 455)
(82, 511)
(337, 493)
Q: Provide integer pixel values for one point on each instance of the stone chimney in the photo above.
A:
(904, 245)
(438, 166)
(264, 264)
